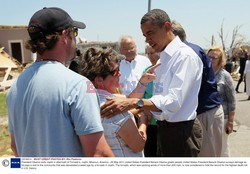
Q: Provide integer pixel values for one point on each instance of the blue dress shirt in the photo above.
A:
(209, 97)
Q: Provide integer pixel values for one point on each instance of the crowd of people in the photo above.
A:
(176, 102)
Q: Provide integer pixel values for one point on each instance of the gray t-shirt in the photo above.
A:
(111, 129)
(49, 106)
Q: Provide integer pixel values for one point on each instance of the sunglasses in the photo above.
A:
(115, 72)
(75, 31)
(213, 58)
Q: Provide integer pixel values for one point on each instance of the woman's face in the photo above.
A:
(215, 57)
(152, 55)
(111, 82)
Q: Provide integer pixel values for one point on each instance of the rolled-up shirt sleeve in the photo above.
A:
(181, 93)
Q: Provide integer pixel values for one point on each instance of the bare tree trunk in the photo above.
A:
(212, 42)
(235, 36)
(221, 35)
(237, 39)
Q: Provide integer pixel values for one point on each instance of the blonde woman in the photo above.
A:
(227, 92)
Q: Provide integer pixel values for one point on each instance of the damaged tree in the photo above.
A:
(237, 40)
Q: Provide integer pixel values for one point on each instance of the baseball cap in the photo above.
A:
(50, 20)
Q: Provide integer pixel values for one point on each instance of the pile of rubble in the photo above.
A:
(10, 69)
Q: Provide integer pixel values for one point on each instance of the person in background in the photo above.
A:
(229, 65)
(50, 112)
(101, 66)
(74, 62)
(209, 110)
(132, 67)
(227, 92)
(150, 149)
(247, 77)
(243, 59)
(175, 94)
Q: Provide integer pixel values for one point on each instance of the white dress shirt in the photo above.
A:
(131, 73)
(177, 83)
(247, 67)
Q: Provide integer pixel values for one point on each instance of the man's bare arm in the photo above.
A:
(116, 105)
(95, 145)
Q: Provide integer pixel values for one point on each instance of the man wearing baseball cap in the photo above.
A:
(50, 113)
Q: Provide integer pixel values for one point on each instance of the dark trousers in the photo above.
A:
(180, 139)
(239, 82)
(150, 148)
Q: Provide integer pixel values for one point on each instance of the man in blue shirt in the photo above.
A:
(209, 110)
(51, 112)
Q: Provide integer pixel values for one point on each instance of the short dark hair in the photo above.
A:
(156, 16)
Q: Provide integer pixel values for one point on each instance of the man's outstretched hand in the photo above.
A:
(117, 105)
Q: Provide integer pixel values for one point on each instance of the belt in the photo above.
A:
(173, 124)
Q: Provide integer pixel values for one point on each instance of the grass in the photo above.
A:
(3, 105)
(4, 132)
(5, 141)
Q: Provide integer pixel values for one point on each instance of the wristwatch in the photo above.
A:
(140, 104)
